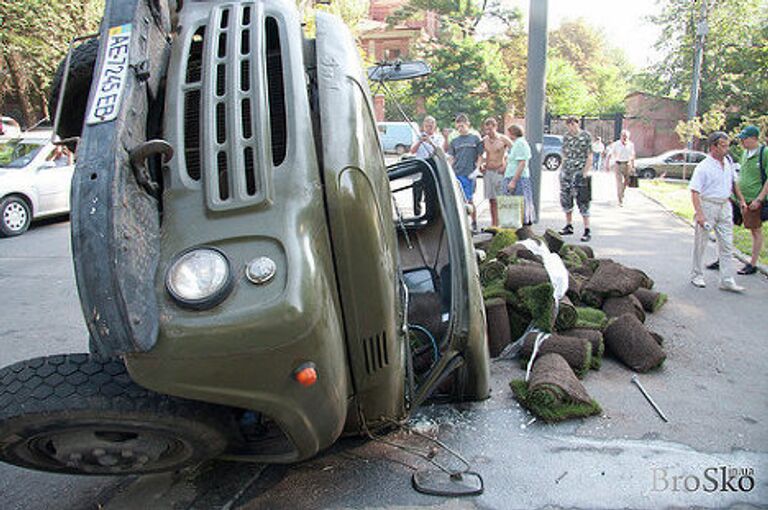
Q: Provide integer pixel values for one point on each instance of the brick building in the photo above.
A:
(651, 121)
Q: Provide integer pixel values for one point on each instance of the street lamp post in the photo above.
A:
(535, 90)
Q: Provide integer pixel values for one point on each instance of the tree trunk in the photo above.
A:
(21, 91)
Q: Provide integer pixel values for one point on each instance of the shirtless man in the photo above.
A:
(494, 163)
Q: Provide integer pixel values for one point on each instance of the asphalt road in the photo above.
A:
(713, 388)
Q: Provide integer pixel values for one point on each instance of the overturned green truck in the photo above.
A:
(255, 281)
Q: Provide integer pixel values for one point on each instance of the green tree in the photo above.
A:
(735, 64)
(34, 36)
(567, 93)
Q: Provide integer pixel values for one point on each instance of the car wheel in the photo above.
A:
(15, 216)
(552, 162)
(647, 173)
(78, 86)
(80, 415)
(400, 149)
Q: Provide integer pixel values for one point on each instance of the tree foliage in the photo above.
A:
(34, 36)
(735, 64)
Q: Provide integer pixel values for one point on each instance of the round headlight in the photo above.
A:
(199, 278)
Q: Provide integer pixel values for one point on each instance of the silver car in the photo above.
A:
(677, 164)
(35, 179)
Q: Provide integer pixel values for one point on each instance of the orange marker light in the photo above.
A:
(306, 374)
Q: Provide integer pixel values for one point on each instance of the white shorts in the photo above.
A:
(492, 182)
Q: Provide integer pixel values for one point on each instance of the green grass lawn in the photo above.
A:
(676, 197)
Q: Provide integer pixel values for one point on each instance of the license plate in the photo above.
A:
(109, 92)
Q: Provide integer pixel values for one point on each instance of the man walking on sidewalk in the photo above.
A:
(574, 176)
(754, 185)
(712, 182)
(622, 154)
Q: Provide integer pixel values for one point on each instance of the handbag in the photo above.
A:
(634, 182)
(510, 209)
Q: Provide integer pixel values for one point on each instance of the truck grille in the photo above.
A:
(375, 351)
(234, 112)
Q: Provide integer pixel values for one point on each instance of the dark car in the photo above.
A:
(552, 152)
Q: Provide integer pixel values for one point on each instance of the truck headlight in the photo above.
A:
(200, 278)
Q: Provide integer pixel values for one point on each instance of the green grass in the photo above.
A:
(676, 197)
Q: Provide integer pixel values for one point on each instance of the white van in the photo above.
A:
(397, 137)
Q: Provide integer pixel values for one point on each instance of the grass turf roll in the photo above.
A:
(577, 352)
(525, 275)
(554, 240)
(590, 318)
(566, 315)
(630, 342)
(540, 303)
(504, 237)
(492, 271)
(613, 280)
(618, 306)
(651, 300)
(553, 392)
(595, 339)
(498, 325)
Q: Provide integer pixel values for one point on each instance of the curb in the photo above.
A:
(736, 252)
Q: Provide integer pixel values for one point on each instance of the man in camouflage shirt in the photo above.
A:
(574, 176)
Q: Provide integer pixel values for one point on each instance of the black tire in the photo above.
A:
(78, 87)
(646, 173)
(552, 162)
(400, 149)
(15, 216)
(76, 414)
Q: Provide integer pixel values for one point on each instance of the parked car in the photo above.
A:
(35, 180)
(552, 152)
(397, 137)
(678, 164)
(265, 286)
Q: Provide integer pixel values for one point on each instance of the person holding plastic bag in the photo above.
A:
(517, 176)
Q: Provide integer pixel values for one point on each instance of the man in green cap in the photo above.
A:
(754, 187)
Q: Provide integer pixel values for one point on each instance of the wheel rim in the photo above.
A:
(15, 216)
(107, 449)
(551, 163)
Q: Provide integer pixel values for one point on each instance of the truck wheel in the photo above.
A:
(15, 216)
(76, 414)
(78, 87)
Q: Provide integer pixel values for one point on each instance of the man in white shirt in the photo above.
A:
(712, 182)
(622, 154)
(429, 139)
(598, 147)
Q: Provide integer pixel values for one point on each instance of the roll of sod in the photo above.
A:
(525, 275)
(618, 306)
(553, 392)
(498, 325)
(614, 280)
(588, 251)
(492, 271)
(540, 303)
(503, 238)
(554, 240)
(518, 322)
(576, 351)
(590, 318)
(651, 300)
(630, 342)
(566, 315)
(513, 253)
(595, 339)
(524, 233)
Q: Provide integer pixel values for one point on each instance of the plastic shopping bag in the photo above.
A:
(510, 211)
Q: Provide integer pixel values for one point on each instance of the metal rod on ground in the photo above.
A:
(636, 381)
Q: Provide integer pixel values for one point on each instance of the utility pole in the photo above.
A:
(701, 31)
(535, 90)
(693, 102)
